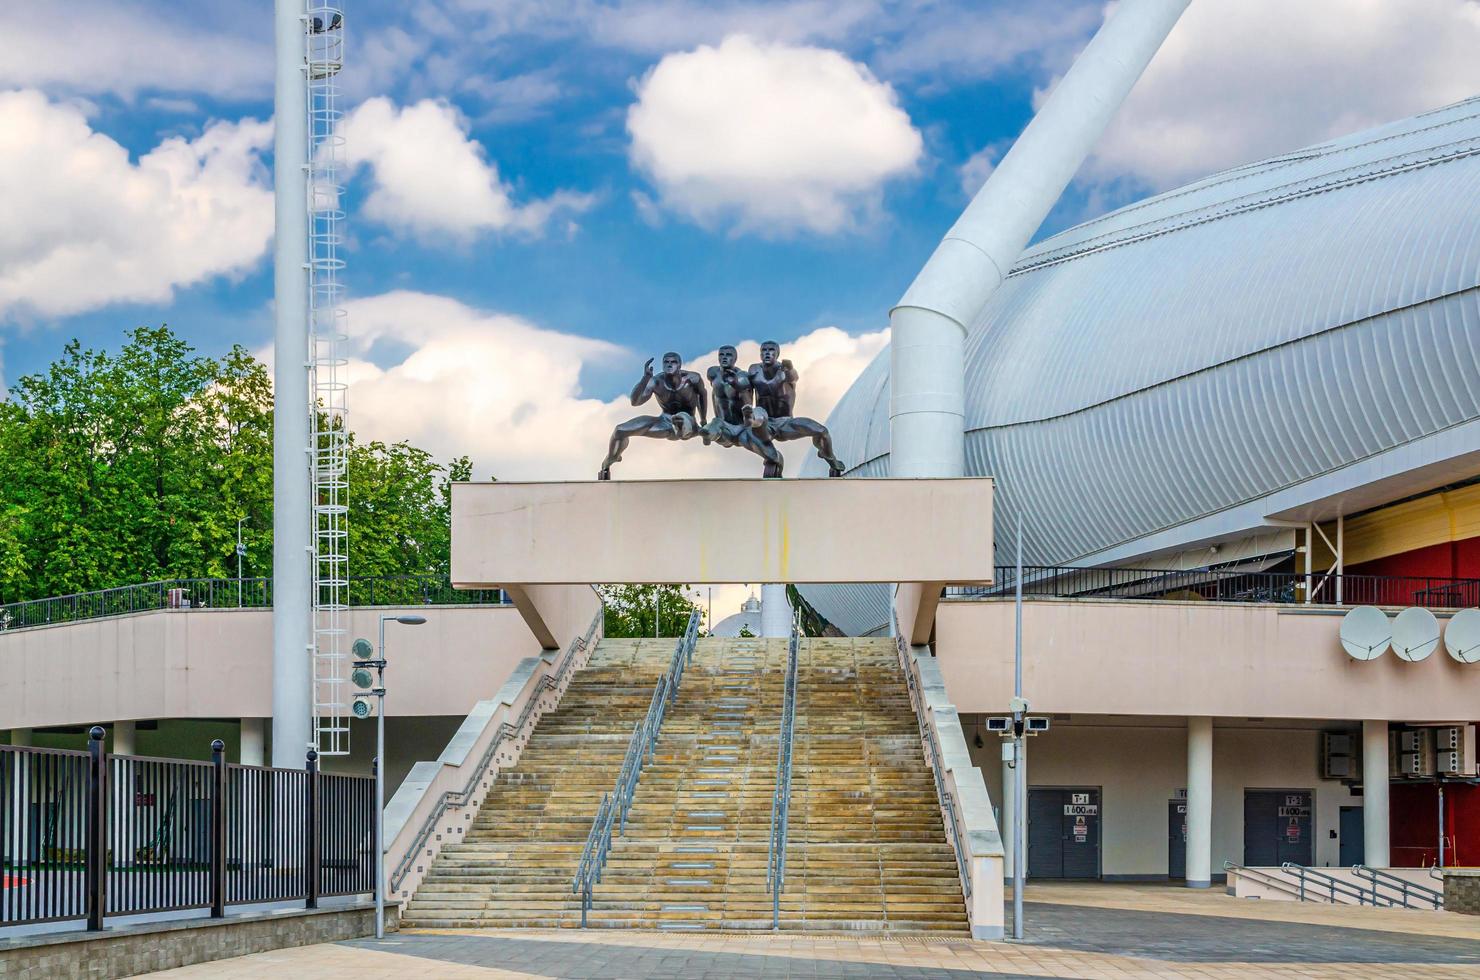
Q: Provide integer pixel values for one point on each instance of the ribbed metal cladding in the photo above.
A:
(1214, 344)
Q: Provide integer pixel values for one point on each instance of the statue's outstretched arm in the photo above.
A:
(643, 390)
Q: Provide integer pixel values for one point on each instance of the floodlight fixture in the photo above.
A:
(362, 650)
(361, 707)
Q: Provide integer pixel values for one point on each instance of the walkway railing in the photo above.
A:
(234, 593)
(1228, 585)
(781, 799)
(611, 816)
(88, 835)
(508, 731)
(1410, 893)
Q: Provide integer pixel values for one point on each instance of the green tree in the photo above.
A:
(127, 467)
(630, 609)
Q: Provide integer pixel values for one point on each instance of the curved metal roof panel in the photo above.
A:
(1222, 341)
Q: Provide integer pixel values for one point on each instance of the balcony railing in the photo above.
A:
(221, 593)
(1228, 585)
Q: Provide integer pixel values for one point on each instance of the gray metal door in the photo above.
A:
(1064, 833)
(1177, 839)
(1277, 827)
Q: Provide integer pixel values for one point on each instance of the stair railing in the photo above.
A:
(611, 816)
(781, 799)
(1310, 881)
(1378, 878)
(927, 736)
(1265, 879)
(507, 732)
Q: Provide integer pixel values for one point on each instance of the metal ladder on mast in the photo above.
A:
(323, 32)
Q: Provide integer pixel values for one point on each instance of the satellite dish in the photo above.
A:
(1415, 634)
(1462, 636)
(1366, 633)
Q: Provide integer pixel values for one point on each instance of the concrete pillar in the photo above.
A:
(775, 611)
(20, 799)
(253, 741)
(124, 740)
(1199, 802)
(1375, 794)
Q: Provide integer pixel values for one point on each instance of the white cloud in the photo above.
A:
(1240, 80)
(430, 177)
(977, 168)
(120, 47)
(85, 226)
(507, 392)
(776, 137)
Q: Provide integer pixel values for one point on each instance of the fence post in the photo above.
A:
(311, 830)
(95, 847)
(218, 830)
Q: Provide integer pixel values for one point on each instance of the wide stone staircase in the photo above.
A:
(867, 848)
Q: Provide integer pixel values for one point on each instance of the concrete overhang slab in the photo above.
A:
(696, 532)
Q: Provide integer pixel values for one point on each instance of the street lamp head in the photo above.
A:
(411, 620)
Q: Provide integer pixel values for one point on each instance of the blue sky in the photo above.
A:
(570, 186)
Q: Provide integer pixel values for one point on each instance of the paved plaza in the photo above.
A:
(1073, 931)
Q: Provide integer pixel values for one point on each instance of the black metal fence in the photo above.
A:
(245, 593)
(1230, 585)
(87, 835)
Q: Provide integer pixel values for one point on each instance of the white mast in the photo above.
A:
(292, 523)
(309, 433)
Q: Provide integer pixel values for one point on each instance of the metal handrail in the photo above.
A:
(1265, 878)
(611, 816)
(781, 798)
(1333, 885)
(455, 798)
(231, 593)
(1228, 585)
(1388, 880)
(927, 736)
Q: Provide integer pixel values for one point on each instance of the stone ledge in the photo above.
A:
(129, 950)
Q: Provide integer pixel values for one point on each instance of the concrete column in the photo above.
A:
(1375, 794)
(20, 799)
(1199, 802)
(253, 741)
(124, 741)
(775, 611)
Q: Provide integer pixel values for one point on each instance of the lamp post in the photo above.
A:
(366, 660)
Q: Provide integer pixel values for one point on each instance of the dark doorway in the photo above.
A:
(1353, 843)
(1177, 839)
(1063, 833)
(1277, 827)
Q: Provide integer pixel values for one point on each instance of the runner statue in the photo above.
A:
(774, 382)
(680, 395)
(736, 421)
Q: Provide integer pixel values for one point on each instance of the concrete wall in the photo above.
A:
(696, 531)
(217, 663)
(1139, 769)
(1188, 658)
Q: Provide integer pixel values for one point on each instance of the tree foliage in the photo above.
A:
(630, 609)
(137, 465)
